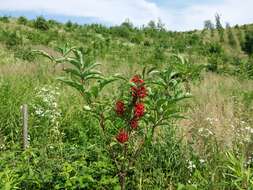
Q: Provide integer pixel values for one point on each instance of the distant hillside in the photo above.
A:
(127, 44)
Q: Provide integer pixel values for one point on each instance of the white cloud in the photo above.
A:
(114, 11)
(139, 11)
(232, 11)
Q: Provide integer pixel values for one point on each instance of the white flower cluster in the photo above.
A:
(47, 106)
(205, 132)
(2, 144)
(2, 147)
(202, 161)
(249, 130)
(191, 165)
(243, 132)
(211, 121)
(249, 161)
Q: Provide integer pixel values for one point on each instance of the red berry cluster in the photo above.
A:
(120, 108)
(122, 137)
(138, 92)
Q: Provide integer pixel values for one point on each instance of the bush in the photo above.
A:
(12, 39)
(25, 54)
(249, 67)
(22, 20)
(215, 48)
(41, 24)
(247, 46)
(213, 63)
(121, 31)
(231, 37)
(4, 19)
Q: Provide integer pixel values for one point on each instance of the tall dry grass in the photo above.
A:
(218, 110)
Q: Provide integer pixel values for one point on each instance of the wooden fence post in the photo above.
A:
(24, 110)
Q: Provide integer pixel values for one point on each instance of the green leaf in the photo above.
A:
(93, 77)
(73, 72)
(94, 91)
(45, 54)
(87, 74)
(79, 56)
(74, 62)
(119, 76)
(104, 82)
(71, 83)
(92, 66)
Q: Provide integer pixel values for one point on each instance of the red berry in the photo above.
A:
(142, 92)
(139, 109)
(134, 123)
(122, 136)
(120, 108)
(137, 80)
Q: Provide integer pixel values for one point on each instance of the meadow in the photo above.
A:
(125, 108)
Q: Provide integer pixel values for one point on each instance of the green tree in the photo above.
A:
(248, 44)
(41, 23)
(231, 37)
(69, 24)
(208, 25)
(219, 27)
(22, 20)
(4, 19)
(240, 36)
(127, 23)
(160, 25)
(152, 24)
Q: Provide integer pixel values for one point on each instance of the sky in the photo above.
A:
(180, 15)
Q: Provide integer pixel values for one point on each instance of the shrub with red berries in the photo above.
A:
(126, 124)
(136, 108)
(130, 124)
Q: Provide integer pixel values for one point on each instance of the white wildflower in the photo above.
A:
(191, 165)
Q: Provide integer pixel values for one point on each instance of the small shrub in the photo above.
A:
(41, 24)
(213, 63)
(247, 46)
(22, 20)
(4, 19)
(25, 54)
(12, 39)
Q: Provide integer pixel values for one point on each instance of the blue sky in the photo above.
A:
(176, 14)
